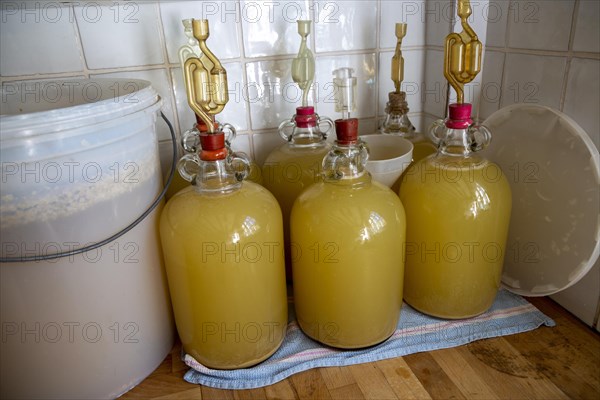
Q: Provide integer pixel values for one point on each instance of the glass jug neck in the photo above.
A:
(305, 128)
(215, 168)
(216, 176)
(457, 136)
(455, 142)
(309, 135)
(398, 124)
(345, 163)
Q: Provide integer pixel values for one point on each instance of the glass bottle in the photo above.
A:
(397, 123)
(458, 209)
(348, 233)
(295, 165)
(223, 246)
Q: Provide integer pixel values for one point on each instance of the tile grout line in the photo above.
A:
(168, 70)
(567, 71)
(504, 59)
(378, 32)
(313, 43)
(244, 70)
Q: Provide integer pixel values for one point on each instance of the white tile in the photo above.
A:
(433, 91)
(491, 88)
(587, 29)
(533, 79)
(272, 94)
(582, 100)
(264, 143)
(222, 18)
(438, 17)
(345, 25)
(411, 12)
(540, 24)
(364, 70)
(37, 38)
(496, 16)
(582, 298)
(414, 62)
(121, 35)
(242, 143)
(269, 27)
(165, 154)
(479, 19)
(160, 82)
(184, 112)
(236, 109)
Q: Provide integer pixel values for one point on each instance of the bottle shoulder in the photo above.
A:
(438, 180)
(370, 196)
(246, 196)
(289, 151)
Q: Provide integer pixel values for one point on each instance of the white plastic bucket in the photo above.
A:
(80, 163)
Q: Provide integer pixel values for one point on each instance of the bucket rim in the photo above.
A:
(131, 96)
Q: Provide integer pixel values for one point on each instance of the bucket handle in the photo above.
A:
(117, 235)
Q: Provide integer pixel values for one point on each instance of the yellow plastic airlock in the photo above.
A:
(397, 59)
(303, 66)
(462, 53)
(205, 79)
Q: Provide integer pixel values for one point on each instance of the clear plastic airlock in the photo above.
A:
(344, 85)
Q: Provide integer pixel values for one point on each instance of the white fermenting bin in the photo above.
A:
(80, 163)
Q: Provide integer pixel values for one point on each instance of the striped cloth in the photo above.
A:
(415, 333)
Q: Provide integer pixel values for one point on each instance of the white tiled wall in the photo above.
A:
(540, 51)
(256, 40)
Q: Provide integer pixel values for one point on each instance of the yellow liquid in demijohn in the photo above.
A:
(287, 171)
(457, 225)
(225, 267)
(348, 263)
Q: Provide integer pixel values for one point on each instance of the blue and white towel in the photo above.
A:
(415, 333)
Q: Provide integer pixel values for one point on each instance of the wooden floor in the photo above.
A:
(548, 363)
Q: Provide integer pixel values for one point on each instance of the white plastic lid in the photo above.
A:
(31, 108)
(553, 169)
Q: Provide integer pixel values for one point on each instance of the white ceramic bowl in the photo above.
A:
(389, 156)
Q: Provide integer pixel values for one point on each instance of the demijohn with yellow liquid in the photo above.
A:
(348, 232)
(457, 203)
(458, 209)
(222, 240)
(222, 237)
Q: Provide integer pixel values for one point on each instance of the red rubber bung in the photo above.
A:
(213, 146)
(305, 117)
(459, 116)
(212, 141)
(346, 130)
